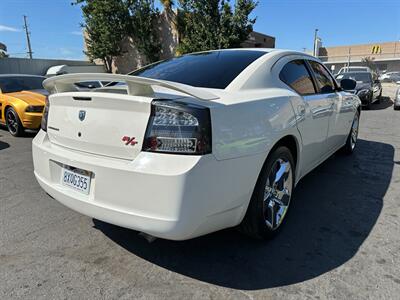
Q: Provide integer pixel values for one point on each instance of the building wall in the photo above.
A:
(381, 49)
(259, 40)
(13, 65)
(131, 59)
(385, 55)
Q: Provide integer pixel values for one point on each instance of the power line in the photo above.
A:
(28, 38)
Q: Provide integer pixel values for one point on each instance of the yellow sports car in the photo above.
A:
(22, 100)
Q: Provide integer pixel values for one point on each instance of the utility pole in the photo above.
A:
(348, 61)
(315, 42)
(28, 41)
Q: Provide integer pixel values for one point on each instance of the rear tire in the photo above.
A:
(370, 102)
(13, 123)
(270, 202)
(351, 141)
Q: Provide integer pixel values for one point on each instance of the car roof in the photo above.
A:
(266, 50)
(354, 72)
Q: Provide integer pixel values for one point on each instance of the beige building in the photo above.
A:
(131, 59)
(386, 55)
(259, 40)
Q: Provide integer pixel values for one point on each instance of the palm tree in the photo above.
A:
(370, 63)
(167, 4)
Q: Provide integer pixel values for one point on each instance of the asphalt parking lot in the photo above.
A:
(342, 240)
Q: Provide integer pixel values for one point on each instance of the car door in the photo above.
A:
(335, 109)
(312, 111)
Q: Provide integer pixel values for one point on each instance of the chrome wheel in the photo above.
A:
(277, 194)
(354, 132)
(12, 122)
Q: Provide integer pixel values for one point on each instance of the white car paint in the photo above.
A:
(176, 196)
(65, 69)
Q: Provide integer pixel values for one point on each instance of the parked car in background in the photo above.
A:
(396, 105)
(82, 86)
(390, 77)
(22, 100)
(354, 69)
(368, 89)
(65, 69)
(178, 154)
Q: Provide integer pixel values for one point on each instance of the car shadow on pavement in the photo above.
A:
(4, 145)
(27, 134)
(333, 212)
(383, 104)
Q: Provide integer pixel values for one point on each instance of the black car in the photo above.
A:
(368, 88)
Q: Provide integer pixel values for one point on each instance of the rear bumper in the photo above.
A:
(169, 196)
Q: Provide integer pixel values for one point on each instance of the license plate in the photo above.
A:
(77, 179)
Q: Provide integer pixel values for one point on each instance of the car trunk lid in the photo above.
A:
(100, 123)
(110, 121)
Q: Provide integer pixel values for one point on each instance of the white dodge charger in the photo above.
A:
(194, 144)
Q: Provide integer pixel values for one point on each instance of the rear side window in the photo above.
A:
(323, 78)
(295, 74)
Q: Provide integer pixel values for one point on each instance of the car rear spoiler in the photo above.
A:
(136, 86)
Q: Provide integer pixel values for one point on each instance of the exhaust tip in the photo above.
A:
(149, 238)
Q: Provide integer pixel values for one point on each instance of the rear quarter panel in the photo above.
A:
(252, 126)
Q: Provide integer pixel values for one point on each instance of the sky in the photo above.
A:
(56, 33)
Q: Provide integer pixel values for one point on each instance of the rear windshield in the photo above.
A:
(20, 83)
(209, 69)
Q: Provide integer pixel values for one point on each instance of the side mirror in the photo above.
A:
(348, 84)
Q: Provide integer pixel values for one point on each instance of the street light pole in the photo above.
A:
(315, 42)
(348, 62)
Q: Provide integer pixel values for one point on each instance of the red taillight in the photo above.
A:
(177, 127)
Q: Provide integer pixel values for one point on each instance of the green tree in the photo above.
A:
(105, 25)
(3, 54)
(109, 22)
(214, 24)
(142, 27)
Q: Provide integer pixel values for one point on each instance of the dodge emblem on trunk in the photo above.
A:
(82, 115)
